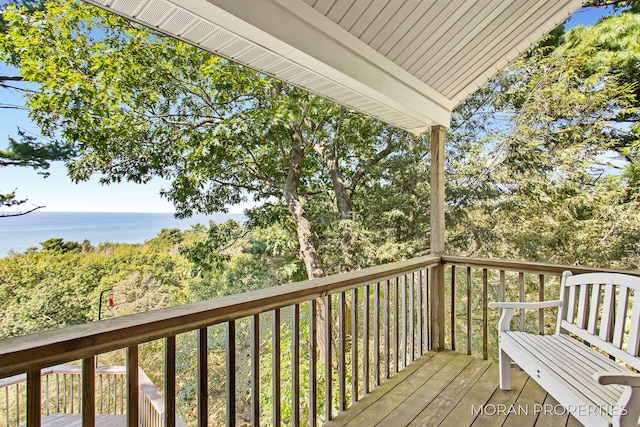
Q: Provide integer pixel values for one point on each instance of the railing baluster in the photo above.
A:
(46, 395)
(469, 308)
(64, 393)
(376, 334)
(17, 404)
(396, 324)
(501, 289)
(295, 365)
(521, 293)
(403, 314)
(170, 381)
(427, 316)
(313, 380)
(541, 298)
(132, 386)
(342, 348)
(453, 307)
(203, 378)
(354, 346)
(100, 409)
(387, 328)
(88, 392)
(6, 394)
(122, 394)
(365, 340)
(255, 370)
(412, 350)
(33, 398)
(485, 314)
(79, 388)
(71, 392)
(275, 367)
(419, 314)
(328, 387)
(231, 373)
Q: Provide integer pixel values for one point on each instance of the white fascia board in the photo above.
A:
(295, 31)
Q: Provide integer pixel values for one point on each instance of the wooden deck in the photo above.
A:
(75, 420)
(454, 389)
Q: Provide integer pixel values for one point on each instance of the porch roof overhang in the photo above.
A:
(406, 62)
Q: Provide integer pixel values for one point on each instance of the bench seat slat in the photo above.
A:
(577, 364)
(560, 389)
(577, 371)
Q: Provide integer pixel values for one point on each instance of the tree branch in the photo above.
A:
(362, 170)
(8, 215)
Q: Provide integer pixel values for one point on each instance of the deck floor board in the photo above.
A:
(75, 420)
(456, 390)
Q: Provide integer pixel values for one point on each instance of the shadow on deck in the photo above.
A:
(453, 389)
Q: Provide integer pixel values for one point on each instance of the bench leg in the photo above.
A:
(631, 404)
(505, 371)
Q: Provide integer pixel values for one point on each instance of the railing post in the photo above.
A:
(170, 381)
(255, 370)
(33, 398)
(132, 386)
(231, 373)
(436, 287)
(203, 378)
(89, 392)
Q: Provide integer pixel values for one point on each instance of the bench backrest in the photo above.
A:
(600, 309)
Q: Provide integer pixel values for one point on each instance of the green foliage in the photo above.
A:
(541, 159)
(59, 245)
(29, 152)
(29, 6)
(32, 153)
(60, 284)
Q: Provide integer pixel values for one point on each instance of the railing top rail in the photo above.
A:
(42, 349)
(64, 369)
(527, 267)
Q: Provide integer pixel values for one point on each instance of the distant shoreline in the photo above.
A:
(22, 232)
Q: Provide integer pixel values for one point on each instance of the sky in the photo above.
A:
(59, 194)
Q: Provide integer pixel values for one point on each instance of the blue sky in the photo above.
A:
(58, 193)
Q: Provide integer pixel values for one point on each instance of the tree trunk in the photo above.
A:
(343, 195)
(303, 226)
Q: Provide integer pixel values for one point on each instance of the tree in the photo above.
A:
(553, 156)
(28, 152)
(137, 105)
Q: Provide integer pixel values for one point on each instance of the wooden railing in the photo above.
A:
(294, 354)
(374, 322)
(473, 282)
(61, 393)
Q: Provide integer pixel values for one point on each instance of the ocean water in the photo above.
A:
(22, 232)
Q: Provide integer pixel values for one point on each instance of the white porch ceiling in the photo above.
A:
(406, 62)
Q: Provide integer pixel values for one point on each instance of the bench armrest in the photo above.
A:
(532, 305)
(631, 379)
(628, 406)
(509, 307)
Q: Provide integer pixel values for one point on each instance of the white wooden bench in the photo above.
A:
(597, 322)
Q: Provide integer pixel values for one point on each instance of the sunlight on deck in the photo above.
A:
(454, 389)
